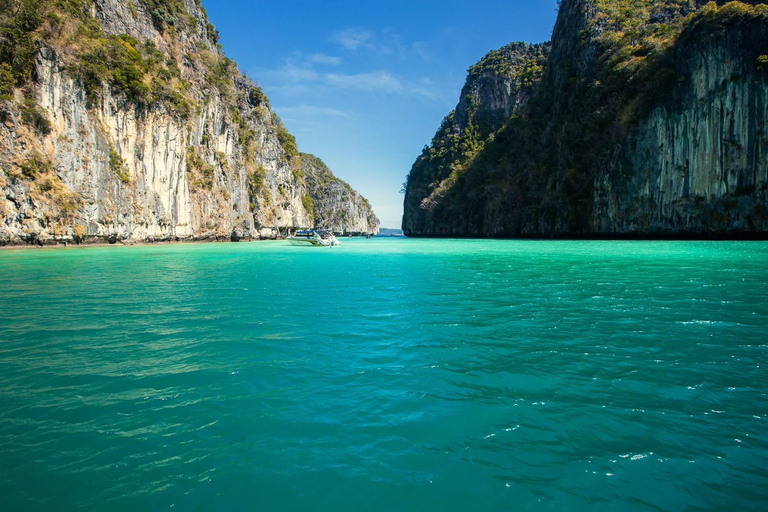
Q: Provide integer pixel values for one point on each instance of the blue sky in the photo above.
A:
(364, 85)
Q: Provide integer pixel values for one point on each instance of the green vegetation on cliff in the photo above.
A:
(469, 130)
(613, 62)
(287, 141)
(134, 104)
(523, 63)
(201, 173)
(117, 165)
(21, 23)
(465, 132)
(164, 12)
(137, 70)
(332, 201)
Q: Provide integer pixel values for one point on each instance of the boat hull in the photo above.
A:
(305, 242)
(314, 239)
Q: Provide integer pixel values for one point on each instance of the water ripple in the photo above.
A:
(386, 375)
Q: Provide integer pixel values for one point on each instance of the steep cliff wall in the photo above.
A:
(334, 204)
(497, 89)
(125, 121)
(647, 121)
(698, 163)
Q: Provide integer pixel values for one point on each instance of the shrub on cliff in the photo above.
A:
(164, 12)
(35, 116)
(34, 165)
(201, 172)
(256, 180)
(257, 98)
(117, 165)
(7, 81)
(137, 71)
(19, 37)
(309, 206)
(287, 141)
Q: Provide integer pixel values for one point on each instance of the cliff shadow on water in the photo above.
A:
(641, 121)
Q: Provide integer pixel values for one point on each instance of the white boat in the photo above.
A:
(313, 238)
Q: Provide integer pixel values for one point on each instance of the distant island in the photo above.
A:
(390, 232)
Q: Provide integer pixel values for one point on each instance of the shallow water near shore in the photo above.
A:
(386, 374)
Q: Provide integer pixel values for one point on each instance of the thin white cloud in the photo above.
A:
(320, 58)
(304, 111)
(380, 81)
(352, 38)
(422, 92)
(296, 81)
(292, 90)
(387, 43)
(291, 73)
(421, 50)
(306, 77)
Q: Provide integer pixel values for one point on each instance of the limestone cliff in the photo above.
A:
(497, 89)
(123, 120)
(698, 162)
(335, 205)
(646, 121)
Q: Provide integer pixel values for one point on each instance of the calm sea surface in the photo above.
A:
(386, 375)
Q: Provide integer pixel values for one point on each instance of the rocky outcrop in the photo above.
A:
(649, 122)
(174, 145)
(697, 164)
(499, 86)
(336, 206)
(497, 89)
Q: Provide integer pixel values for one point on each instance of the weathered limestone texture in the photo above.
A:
(109, 169)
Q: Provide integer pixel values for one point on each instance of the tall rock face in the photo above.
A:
(333, 203)
(125, 121)
(648, 121)
(497, 89)
(699, 161)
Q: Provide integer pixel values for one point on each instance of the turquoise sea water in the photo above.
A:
(386, 375)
